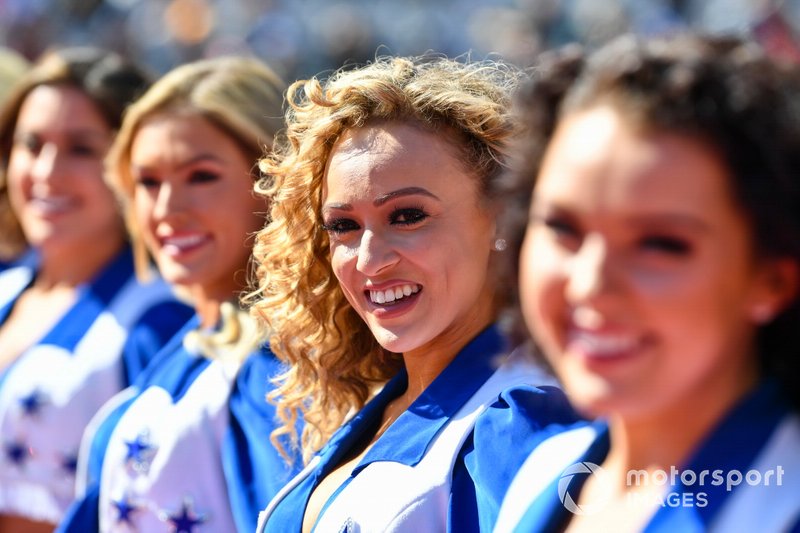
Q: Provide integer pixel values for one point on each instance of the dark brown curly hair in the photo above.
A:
(723, 91)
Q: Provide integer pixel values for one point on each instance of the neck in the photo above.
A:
(669, 437)
(61, 267)
(425, 363)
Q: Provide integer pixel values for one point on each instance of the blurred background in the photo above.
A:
(301, 38)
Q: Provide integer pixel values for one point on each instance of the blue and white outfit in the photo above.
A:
(186, 449)
(762, 433)
(446, 462)
(52, 390)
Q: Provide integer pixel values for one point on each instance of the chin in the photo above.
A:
(395, 342)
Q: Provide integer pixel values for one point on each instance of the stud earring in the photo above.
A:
(500, 244)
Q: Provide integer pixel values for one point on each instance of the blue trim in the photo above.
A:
(409, 437)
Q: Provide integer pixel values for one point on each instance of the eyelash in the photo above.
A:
(559, 226)
(335, 226)
(146, 182)
(666, 244)
(417, 214)
(203, 176)
(78, 149)
(413, 216)
(198, 176)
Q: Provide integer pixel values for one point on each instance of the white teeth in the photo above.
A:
(174, 246)
(604, 345)
(184, 242)
(393, 294)
(51, 203)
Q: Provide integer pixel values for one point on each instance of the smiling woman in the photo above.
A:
(187, 447)
(377, 273)
(75, 325)
(656, 219)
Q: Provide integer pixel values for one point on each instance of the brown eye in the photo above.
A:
(666, 244)
(339, 226)
(407, 216)
(203, 176)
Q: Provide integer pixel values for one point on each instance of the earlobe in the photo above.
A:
(762, 314)
(778, 290)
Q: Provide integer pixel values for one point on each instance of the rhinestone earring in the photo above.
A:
(500, 244)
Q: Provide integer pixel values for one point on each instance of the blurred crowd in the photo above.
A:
(304, 37)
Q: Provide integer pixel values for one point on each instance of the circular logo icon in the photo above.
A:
(572, 478)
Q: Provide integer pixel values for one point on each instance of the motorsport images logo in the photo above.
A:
(679, 488)
(573, 478)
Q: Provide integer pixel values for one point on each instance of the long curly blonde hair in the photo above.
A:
(335, 364)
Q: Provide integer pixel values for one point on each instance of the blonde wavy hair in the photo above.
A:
(244, 98)
(241, 96)
(334, 363)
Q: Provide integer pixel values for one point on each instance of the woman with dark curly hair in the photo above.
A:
(655, 216)
(76, 326)
(376, 273)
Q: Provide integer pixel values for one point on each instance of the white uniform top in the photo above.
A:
(760, 435)
(412, 493)
(51, 391)
(149, 485)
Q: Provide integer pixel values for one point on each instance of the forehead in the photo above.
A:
(171, 135)
(59, 107)
(598, 159)
(377, 158)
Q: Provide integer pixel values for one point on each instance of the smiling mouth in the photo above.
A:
(51, 204)
(180, 245)
(393, 295)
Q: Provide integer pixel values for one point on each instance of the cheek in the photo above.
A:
(541, 286)
(15, 176)
(103, 196)
(343, 263)
(142, 207)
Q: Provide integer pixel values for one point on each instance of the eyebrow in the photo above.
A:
(382, 199)
(686, 221)
(644, 220)
(70, 133)
(199, 158)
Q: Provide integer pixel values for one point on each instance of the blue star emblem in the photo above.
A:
(186, 520)
(124, 510)
(32, 403)
(16, 452)
(69, 462)
(140, 452)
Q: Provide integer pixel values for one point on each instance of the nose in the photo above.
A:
(168, 202)
(44, 166)
(592, 273)
(375, 254)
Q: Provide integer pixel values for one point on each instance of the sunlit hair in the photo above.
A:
(240, 96)
(721, 91)
(109, 80)
(335, 363)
